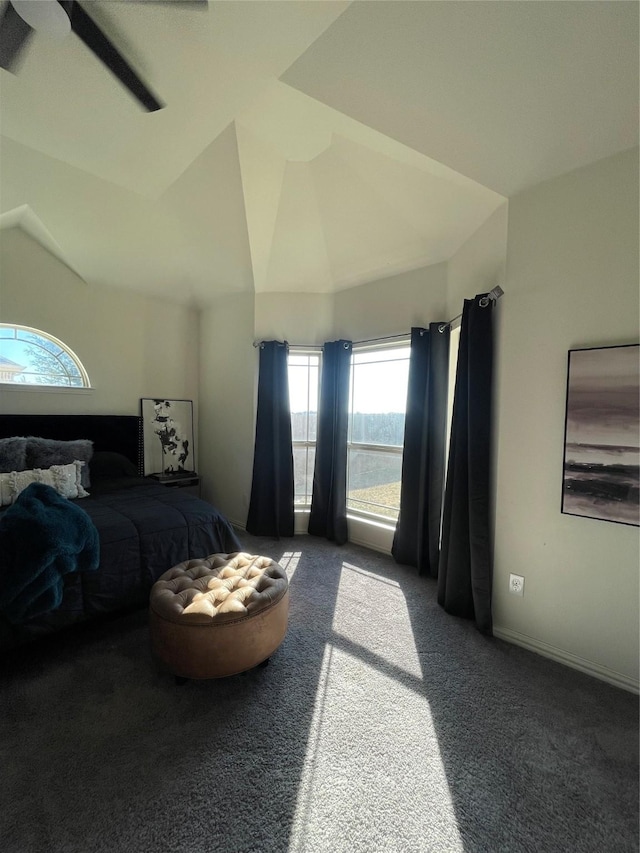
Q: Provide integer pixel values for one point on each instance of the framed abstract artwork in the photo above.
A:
(601, 444)
(167, 429)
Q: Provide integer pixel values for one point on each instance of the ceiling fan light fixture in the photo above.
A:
(46, 17)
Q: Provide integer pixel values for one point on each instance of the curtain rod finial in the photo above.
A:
(492, 296)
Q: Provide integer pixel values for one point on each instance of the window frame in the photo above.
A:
(66, 349)
(403, 342)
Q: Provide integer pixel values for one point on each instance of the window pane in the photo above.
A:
(51, 379)
(365, 356)
(295, 359)
(29, 357)
(374, 482)
(386, 428)
(299, 399)
(314, 390)
(303, 462)
(303, 395)
(377, 406)
(303, 400)
(299, 425)
(68, 363)
(379, 398)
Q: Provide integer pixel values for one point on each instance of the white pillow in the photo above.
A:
(5, 490)
(65, 479)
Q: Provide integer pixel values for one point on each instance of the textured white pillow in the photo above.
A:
(5, 490)
(65, 479)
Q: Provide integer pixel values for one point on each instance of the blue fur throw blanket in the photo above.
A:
(42, 537)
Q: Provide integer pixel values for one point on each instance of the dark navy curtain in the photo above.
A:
(271, 504)
(328, 516)
(417, 538)
(465, 569)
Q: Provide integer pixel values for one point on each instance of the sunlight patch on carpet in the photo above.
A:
(357, 787)
(289, 562)
(362, 594)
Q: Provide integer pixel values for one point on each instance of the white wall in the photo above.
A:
(571, 281)
(303, 319)
(480, 264)
(131, 346)
(387, 306)
(228, 375)
(391, 305)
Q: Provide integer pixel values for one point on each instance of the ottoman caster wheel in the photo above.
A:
(180, 680)
(264, 663)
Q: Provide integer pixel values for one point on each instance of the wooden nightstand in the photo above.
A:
(189, 482)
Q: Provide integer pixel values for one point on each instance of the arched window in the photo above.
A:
(31, 357)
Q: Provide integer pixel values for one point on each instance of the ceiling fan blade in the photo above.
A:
(14, 35)
(85, 28)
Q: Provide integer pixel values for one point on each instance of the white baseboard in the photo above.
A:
(300, 522)
(568, 659)
(381, 547)
(375, 535)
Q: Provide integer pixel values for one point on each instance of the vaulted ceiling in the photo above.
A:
(304, 146)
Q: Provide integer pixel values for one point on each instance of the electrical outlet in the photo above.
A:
(516, 584)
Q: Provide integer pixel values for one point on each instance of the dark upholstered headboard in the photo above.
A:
(122, 433)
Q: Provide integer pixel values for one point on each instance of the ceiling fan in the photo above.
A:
(23, 18)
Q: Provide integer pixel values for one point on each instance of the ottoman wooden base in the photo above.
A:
(218, 616)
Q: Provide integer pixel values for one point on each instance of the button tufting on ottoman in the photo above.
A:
(220, 615)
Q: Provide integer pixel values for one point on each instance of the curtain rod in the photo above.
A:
(492, 296)
(399, 336)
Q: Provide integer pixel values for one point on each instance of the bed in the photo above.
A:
(143, 526)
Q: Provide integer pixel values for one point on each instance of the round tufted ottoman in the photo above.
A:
(218, 616)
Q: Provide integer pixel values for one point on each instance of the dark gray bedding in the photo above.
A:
(145, 528)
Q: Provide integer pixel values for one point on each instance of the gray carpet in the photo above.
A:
(381, 725)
